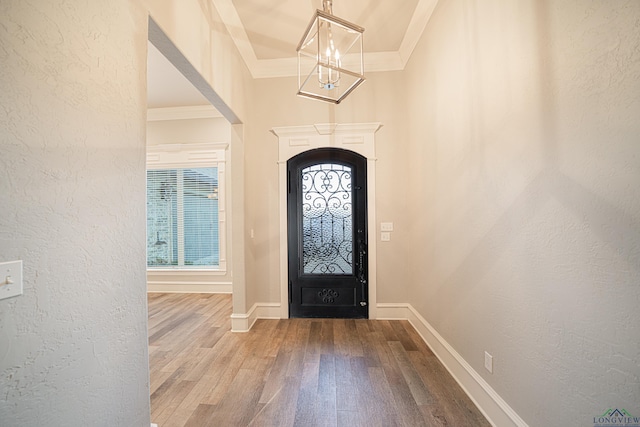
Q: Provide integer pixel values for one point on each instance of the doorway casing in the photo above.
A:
(293, 140)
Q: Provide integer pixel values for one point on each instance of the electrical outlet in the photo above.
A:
(10, 279)
(385, 236)
(488, 362)
(386, 226)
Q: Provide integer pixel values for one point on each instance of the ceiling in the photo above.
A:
(166, 86)
(267, 32)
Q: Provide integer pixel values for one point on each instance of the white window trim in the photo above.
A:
(212, 154)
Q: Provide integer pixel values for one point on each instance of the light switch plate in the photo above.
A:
(10, 279)
(385, 236)
(488, 362)
(386, 226)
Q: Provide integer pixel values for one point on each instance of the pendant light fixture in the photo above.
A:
(330, 57)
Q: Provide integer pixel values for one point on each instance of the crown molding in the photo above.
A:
(288, 67)
(182, 113)
(236, 29)
(269, 68)
(383, 61)
(419, 21)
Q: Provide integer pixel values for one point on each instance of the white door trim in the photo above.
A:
(293, 140)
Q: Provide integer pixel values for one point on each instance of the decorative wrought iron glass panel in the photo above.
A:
(327, 219)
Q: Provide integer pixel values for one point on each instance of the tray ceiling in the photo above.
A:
(267, 32)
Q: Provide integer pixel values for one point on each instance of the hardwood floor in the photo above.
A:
(293, 372)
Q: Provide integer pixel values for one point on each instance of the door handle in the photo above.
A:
(362, 277)
(362, 252)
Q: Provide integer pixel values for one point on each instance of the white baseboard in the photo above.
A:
(243, 322)
(494, 408)
(190, 288)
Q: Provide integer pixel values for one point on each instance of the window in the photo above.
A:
(185, 214)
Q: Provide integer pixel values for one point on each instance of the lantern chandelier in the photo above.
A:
(330, 57)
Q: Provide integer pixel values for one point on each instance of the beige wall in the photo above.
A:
(524, 171)
(188, 131)
(73, 347)
(377, 100)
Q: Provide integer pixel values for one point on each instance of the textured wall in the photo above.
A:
(524, 166)
(73, 348)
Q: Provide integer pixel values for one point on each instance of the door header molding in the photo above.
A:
(327, 129)
(357, 137)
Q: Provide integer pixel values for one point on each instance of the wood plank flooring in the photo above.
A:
(293, 372)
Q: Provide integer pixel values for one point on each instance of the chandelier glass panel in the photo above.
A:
(330, 57)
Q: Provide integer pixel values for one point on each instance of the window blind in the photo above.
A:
(182, 218)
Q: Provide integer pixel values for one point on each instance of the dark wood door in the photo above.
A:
(327, 234)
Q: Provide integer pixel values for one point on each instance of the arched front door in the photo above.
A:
(327, 234)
